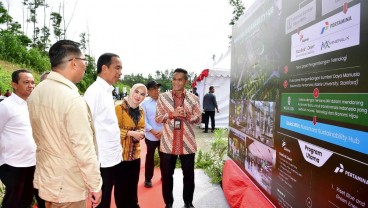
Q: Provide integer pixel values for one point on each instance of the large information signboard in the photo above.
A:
(299, 101)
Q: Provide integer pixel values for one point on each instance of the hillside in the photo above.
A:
(6, 69)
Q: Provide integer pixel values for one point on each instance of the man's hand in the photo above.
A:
(95, 198)
(158, 134)
(179, 112)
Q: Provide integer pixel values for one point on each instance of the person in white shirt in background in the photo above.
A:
(17, 146)
(99, 99)
(153, 130)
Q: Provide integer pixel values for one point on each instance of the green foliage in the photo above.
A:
(56, 24)
(89, 76)
(212, 162)
(11, 48)
(203, 160)
(2, 192)
(131, 79)
(37, 61)
(5, 80)
(162, 77)
(4, 16)
(238, 10)
(17, 48)
(156, 159)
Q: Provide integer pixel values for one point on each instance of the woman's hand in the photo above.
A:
(137, 135)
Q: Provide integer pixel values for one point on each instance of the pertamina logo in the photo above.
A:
(325, 27)
(341, 169)
(335, 24)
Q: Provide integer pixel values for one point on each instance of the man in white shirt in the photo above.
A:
(99, 98)
(17, 146)
(153, 130)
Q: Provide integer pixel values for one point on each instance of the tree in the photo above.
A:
(90, 75)
(238, 10)
(43, 41)
(33, 6)
(66, 25)
(83, 42)
(13, 28)
(4, 16)
(56, 24)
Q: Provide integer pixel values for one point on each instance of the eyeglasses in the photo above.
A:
(83, 59)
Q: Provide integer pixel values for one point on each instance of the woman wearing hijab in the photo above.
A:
(131, 123)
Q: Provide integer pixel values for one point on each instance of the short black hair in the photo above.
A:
(180, 70)
(212, 87)
(105, 59)
(62, 49)
(15, 74)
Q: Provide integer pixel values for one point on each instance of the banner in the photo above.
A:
(299, 101)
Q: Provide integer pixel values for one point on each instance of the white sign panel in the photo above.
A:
(301, 17)
(334, 33)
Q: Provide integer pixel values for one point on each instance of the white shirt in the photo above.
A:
(17, 146)
(99, 98)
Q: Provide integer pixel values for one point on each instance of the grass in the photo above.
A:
(6, 69)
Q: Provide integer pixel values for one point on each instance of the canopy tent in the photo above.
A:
(220, 79)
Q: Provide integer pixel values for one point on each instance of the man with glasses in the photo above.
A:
(153, 130)
(17, 146)
(99, 99)
(67, 169)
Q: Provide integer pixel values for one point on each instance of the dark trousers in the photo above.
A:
(207, 115)
(150, 158)
(167, 166)
(108, 176)
(18, 183)
(127, 184)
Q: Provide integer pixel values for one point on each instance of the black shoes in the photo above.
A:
(189, 205)
(212, 131)
(168, 206)
(205, 131)
(147, 184)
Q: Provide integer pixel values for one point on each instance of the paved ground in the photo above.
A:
(206, 194)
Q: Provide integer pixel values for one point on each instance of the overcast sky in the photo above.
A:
(148, 35)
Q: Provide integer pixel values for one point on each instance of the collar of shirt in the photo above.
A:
(60, 78)
(106, 86)
(17, 99)
(182, 95)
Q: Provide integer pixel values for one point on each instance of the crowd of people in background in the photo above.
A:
(67, 149)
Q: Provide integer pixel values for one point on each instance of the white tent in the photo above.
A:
(219, 77)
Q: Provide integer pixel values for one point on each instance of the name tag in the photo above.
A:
(177, 124)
